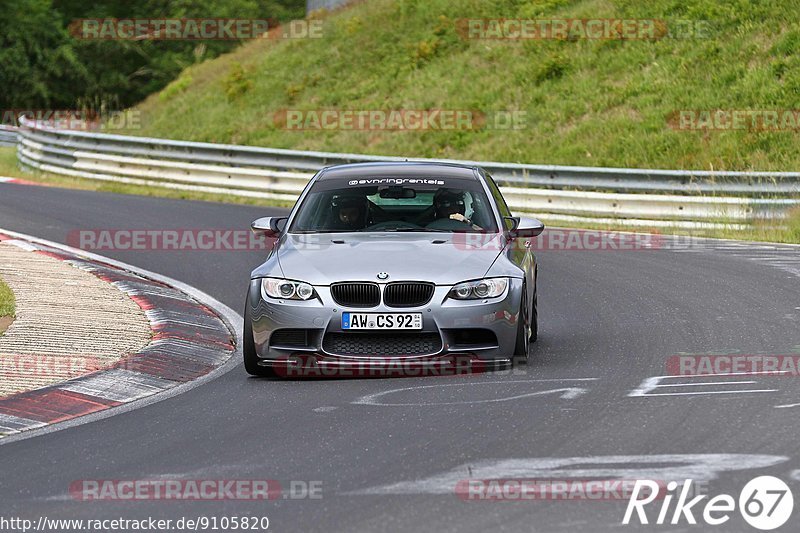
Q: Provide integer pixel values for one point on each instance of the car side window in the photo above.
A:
(500, 201)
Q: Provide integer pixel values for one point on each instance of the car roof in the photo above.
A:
(406, 169)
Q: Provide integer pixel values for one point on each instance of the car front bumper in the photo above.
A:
(443, 318)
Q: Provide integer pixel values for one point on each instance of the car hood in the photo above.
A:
(444, 259)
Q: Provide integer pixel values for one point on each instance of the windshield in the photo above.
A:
(396, 205)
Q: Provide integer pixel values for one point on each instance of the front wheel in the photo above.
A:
(535, 316)
(249, 348)
(522, 345)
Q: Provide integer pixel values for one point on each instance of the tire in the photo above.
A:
(249, 348)
(535, 316)
(522, 345)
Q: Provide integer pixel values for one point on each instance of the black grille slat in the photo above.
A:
(356, 294)
(408, 294)
(382, 344)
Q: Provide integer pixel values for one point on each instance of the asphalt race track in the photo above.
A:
(390, 462)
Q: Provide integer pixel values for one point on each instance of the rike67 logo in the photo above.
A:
(766, 503)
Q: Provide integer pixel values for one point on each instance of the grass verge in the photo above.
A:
(593, 102)
(6, 306)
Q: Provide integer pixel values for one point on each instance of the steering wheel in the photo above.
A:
(392, 224)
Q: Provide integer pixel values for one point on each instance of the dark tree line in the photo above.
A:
(44, 66)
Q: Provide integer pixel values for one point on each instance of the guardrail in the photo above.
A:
(8, 136)
(651, 197)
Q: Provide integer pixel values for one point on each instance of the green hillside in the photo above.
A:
(605, 102)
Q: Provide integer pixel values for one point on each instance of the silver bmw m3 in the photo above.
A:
(412, 263)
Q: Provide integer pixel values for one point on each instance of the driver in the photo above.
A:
(449, 204)
(350, 212)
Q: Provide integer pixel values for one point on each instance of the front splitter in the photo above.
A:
(305, 365)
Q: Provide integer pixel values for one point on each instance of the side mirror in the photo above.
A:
(525, 227)
(269, 226)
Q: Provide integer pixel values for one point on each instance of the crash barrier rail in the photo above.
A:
(8, 135)
(558, 191)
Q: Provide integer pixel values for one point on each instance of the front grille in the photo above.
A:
(405, 294)
(382, 344)
(356, 294)
(289, 337)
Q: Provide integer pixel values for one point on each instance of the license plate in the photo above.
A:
(381, 320)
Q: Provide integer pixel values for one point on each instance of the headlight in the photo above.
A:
(479, 289)
(287, 289)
